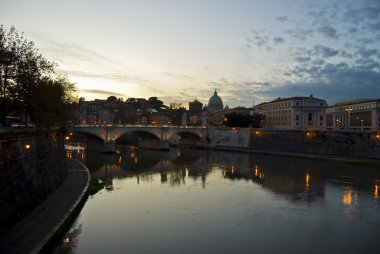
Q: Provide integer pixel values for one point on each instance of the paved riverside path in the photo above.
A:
(40, 230)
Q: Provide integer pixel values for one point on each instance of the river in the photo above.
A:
(200, 201)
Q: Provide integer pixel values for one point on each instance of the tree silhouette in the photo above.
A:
(25, 76)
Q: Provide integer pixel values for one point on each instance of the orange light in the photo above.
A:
(307, 180)
(67, 138)
(376, 193)
(347, 197)
(27, 146)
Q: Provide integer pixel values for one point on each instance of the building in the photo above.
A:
(195, 107)
(195, 113)
(294, 113)
(96, 112)
(215, 103)
(362, 114)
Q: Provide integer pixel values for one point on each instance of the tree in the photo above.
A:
(27, 82)
(236, 120)
(8, 42)
(155, 103)
(111, 99)
(49, 98)
(21, 68)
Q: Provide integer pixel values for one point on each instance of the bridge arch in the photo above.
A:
(91, 133)
(137, 133)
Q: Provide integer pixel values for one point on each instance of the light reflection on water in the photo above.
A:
(196, 201)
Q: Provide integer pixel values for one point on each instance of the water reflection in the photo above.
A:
(281, 175)
(70, 241)
(226, 202)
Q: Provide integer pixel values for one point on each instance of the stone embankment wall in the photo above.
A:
(32, 166)
(227, 137)
(352, 144)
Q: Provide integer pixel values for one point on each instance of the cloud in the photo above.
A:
(282, 18)
(375, 26)
(300, 33)
(278, 40)
(117, 76)
(72, 50)
(325, 51)
(333, 82)
(328, 31)
(301, 59)
(102, 92)
(345, 54)
(366, 53)
(259, 39)
(173, 75)
(363, 13)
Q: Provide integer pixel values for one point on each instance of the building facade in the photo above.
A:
(96, 112)
(354, 115)
(195, 113)
(294, 113)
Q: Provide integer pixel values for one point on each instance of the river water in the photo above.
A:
(200, 201)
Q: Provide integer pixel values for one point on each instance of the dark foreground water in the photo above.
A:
(197, 201)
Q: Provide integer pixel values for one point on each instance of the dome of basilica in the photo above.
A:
(215, 103)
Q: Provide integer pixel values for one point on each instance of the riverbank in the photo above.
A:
(39, 231)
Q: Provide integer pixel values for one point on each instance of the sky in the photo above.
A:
(180, 50)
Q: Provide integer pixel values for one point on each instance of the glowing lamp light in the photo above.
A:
(376, 193)
(27, 146)
(67, 137)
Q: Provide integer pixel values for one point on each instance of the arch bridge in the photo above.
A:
(157, 137)
(160, 137)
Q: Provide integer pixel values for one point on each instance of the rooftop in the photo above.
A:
(357, 101)
(297, 98)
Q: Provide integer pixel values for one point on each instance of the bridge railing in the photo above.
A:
(138, 126)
